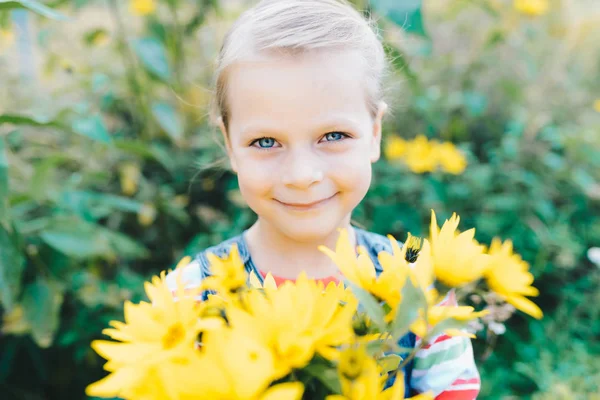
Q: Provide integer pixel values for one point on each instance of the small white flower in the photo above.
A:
(594, 255)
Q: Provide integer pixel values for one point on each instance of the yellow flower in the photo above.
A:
(421, 269)
(532, 8)
(597, 105)
(183, 262)
(147, 214)
(450, 158)
(420, 155)
(508, 275)
(457, 258)
(155, 339)
(437, 314)
(411, 247)
(142, 7)
(228, 275)
(361, 271)
(232, 365)
(129, 175)
(268, 283)
(361, 379)
(295, 321)
(395, 148)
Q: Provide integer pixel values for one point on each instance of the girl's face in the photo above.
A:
(301, 140)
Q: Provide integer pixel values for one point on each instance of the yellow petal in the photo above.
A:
(184, 261)
(284, 391)
(124, 352)
(269, 282)
(114, 383)
(423, 396)
(525, 305)
(396, 392)
(254, 281)
(458, 332)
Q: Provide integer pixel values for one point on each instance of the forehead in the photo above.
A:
(297, 92)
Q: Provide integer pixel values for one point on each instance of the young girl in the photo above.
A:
(299, 101)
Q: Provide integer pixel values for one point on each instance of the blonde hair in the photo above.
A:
(294, 27)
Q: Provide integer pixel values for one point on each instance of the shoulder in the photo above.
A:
(374, 243)
(193, 273)
(372, 240)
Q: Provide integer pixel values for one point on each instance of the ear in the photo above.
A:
(376, 136)
(227, 144)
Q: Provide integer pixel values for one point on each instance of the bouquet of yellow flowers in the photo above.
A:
(253, 340)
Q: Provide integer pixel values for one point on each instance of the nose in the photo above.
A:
(302, 169)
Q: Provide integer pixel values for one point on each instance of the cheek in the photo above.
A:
(253, 179)
(352, 173)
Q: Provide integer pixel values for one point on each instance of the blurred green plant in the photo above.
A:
(100, 187)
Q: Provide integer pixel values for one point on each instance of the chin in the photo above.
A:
(309, 231)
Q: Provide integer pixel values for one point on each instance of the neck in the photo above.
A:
(273, 251)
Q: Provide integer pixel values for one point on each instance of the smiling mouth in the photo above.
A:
(306, 206)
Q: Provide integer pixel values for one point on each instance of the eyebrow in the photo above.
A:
(263, 128)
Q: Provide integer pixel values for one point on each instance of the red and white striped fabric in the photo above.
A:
(446, 366)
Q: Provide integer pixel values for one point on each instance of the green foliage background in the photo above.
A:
(102, 178)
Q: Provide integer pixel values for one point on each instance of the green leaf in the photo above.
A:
(12, 265)
(325, 374)
(82, 201)
(371, 306)
(153, 55)
(41, 305)
(3, 183)
(413, 300)
(404, 13)
(33, 6)
(81, 240)
(93, 127)
(449, 323)
(17, 119)
(169, 120)
(124, 246)
(389, 363)
(77, 239)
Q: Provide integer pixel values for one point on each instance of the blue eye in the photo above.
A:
(334, 136)
(265, 142)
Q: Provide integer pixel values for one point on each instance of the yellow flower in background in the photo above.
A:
(147, 214)
(154, 339)
(395, 148)
(142, 7)
(532, 8)
(421, 156)
(228, 275)
(129, 175)
(450, 158)
(457, 258)
(508, 275)
(597, 105)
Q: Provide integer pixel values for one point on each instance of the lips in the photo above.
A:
(306, 206)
